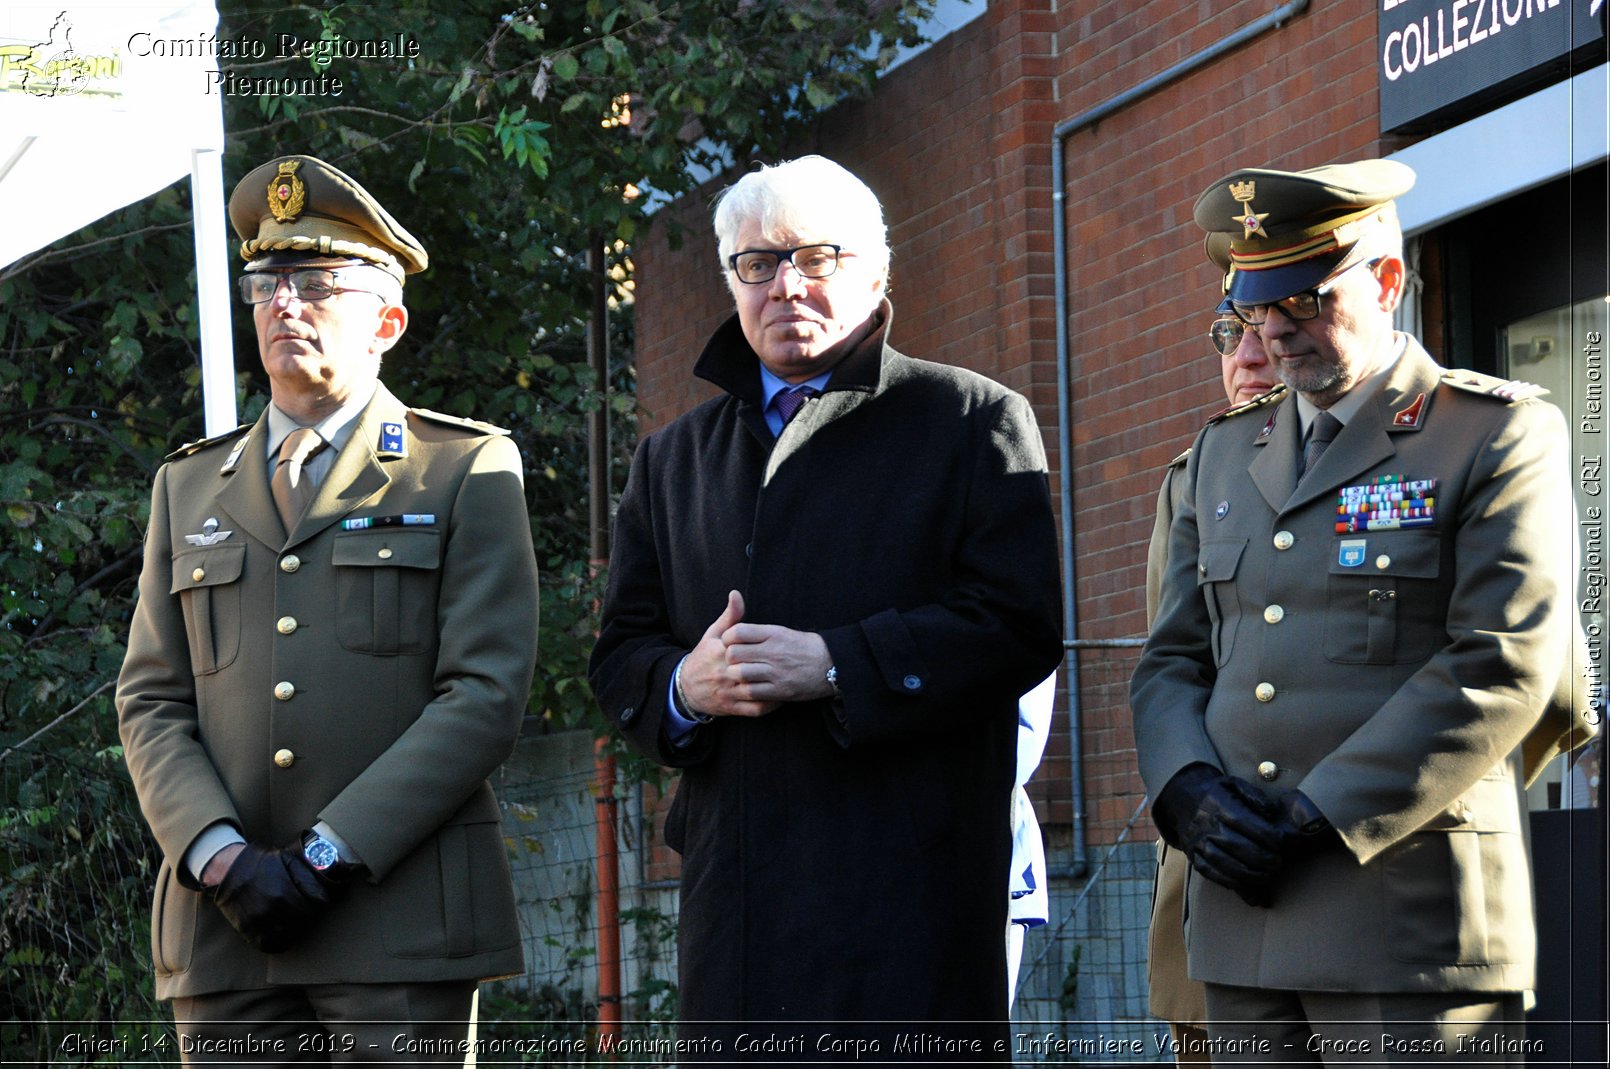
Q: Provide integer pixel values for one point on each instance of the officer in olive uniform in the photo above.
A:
(1330, 709)
(1172, 995)
(331, 652)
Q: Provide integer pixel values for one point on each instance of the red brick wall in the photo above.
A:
(957, 144)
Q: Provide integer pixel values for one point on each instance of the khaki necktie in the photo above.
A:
(1324, 431)
(292, 489)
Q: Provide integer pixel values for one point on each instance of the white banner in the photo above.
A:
(100, 106)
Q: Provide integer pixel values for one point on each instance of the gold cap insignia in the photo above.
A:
(286, 193)
(1252, 221)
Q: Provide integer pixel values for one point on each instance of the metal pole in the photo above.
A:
(608, 867)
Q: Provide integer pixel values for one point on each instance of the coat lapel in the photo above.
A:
(1274, 469)
(245, 495)
(357, 474)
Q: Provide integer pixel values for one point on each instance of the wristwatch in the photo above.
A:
(324, 858)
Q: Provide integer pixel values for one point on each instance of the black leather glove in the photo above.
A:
(271, 896)
(1225, 826)
(1303, 828)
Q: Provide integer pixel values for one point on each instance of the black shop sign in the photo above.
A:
(1442, 59)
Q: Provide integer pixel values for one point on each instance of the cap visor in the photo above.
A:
(303, 259)
(1278, 283)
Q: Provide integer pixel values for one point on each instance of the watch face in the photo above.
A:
(321, 854)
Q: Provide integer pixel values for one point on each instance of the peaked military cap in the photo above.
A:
(299, 208)
(1287, 231)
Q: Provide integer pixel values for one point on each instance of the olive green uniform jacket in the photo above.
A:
(1391, 675)
(371, 678)
(1568, 722)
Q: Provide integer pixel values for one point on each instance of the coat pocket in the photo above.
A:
(1384, 610)
(1216, 564)
(453, 896)
(386, 583)
(207, 581)
(1458, 898)
(173, 924)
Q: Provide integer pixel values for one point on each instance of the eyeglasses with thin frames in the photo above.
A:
(307, 284)
(1226, 333)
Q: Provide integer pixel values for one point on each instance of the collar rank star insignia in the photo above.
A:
(1251, 222)
(210, 534)
(286, 193)
(1410, 417)
(391, 440)
(233, 458)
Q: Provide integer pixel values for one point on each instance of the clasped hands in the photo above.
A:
(744, 669)
(270, 895)
(1233, 834)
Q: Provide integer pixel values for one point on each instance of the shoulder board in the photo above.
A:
(1179, 461)
(204, 443)
(1492, 386)
(1250, 406)
(474, 426)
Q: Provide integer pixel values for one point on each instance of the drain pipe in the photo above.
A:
(1059, 228)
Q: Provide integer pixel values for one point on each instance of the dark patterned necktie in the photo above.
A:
(1324, 431)
(788, 401)
(291, 487)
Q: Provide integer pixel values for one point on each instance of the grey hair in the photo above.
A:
(811, 197)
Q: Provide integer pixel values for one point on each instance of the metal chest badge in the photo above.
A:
(1387, 503)
(1351, 552)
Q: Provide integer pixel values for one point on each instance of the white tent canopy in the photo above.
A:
(98, 111)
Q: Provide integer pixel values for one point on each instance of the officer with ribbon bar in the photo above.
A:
(1366, 609)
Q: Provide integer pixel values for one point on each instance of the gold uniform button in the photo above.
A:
(1268, 771)
(284, 758)
(1264, 692)
(290, 562)
(284, 691)
(384, 554)
(1383, 562)
(1284, 540)
(286, 625)
(198, 575)
(1273, 614)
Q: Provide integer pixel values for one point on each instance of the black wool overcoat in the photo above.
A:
(844, 860)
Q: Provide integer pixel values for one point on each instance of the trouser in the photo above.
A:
(328, 1024)
(1259, 1026)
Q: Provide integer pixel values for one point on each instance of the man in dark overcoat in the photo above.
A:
(823, 607)
(1365, 611)
(331, 653)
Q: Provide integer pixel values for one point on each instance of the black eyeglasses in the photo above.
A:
(1299, 306)
(1226, 333)
(308, 284)
(754, 266)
